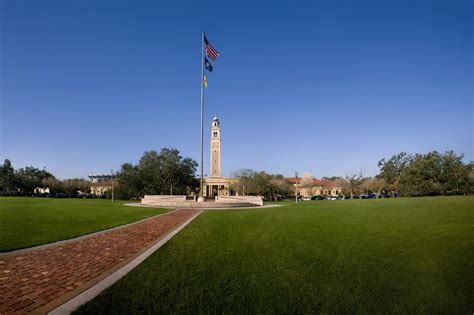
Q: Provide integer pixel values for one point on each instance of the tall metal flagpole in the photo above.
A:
(202, 115)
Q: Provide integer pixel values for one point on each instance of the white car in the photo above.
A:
(331, 198)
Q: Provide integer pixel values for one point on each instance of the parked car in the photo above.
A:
(331, 198)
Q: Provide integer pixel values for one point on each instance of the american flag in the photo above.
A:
(210, 50)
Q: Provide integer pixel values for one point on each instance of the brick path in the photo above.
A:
(42, 279)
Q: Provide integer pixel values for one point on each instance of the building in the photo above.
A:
(41, 190)
(216, 184)
(101, 183)
(309, 186)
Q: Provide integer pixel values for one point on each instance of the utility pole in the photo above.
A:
(296, 187)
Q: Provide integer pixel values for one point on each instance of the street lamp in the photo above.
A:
(112, 171)
(296, 187)
(44, 180)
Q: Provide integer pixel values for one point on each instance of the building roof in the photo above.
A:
(322, 182)
(293, 180)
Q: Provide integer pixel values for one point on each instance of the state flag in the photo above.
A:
(208, 65)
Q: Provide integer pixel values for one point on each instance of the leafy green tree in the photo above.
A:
(129, 185)
(454, 175)
(158, 173)
(7, 178)
(434, 173)
(391, 170)
(28, 178)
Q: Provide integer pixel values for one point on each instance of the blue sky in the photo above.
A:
(329, 87)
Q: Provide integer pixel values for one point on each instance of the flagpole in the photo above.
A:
(202, 115)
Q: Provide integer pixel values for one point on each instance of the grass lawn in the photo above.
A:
(26, 222)
(359, 256)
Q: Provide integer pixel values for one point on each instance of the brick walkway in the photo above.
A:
(42, 279)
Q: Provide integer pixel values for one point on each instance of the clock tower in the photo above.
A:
(215, 148)
(216, 184)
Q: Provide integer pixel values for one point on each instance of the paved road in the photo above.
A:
(42, 279)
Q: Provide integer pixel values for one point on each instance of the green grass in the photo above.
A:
(362, 256)
(26, 222)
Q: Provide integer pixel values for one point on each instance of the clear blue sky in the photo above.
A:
(329, 87)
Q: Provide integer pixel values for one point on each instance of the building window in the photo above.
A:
(215, 134)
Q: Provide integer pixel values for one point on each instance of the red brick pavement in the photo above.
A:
(42, 279)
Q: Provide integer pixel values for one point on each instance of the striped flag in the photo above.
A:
(210, 50)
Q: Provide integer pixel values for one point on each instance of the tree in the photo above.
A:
(278, 186)
(129, 185)
(249, 182)
(7, 177)
(375, 185)
(75, 186)
(54, 185)
(344, 184)
(158, 174)
(454, 175)
(244, 184)
(354, 181)
(391, 170)
(434, 173)
(28, 178)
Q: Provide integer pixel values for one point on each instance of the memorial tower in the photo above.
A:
(215, 155)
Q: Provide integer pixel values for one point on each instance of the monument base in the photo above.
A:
(182, 201)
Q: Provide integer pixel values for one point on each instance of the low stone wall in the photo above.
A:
(256, 200)
(181, 201)
(162, 199)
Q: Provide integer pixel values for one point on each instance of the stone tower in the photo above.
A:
(215, 148)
